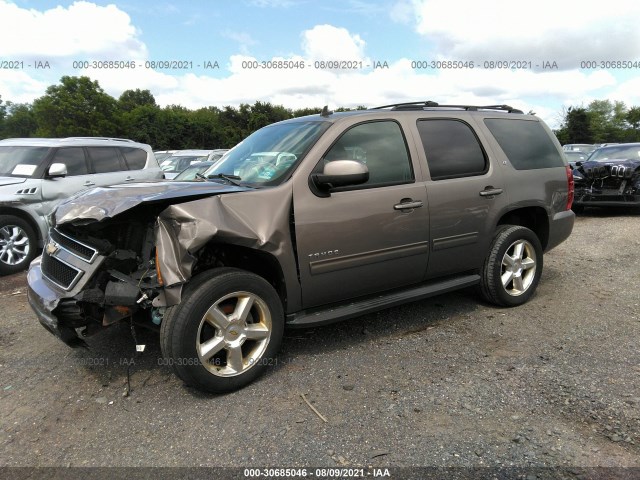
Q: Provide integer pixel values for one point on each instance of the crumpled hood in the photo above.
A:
(106, 202)
(11, 180)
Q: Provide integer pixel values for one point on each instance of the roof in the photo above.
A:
(59, 142)
(411, 108)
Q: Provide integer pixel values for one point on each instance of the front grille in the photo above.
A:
(78, 249)
(60, 273)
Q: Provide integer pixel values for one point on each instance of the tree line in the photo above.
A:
(602, 121)
(78, 106)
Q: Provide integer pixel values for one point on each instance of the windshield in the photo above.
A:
(190, 173)
(21, 161)
(180, 162)
(268, 156)
(622, 152)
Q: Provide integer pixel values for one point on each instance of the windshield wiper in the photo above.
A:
(229, 178)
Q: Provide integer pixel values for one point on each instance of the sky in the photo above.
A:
(541, 56)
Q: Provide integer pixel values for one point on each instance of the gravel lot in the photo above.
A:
(444, 382)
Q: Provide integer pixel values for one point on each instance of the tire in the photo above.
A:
(513, 267)
(577, 208)
(18, 244)
(225, 332)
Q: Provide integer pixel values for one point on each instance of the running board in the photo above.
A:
(324, 316)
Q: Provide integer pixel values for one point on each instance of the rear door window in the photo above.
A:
(105, 159)
(452, 149)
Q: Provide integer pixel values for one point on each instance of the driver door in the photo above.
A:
(363, 239)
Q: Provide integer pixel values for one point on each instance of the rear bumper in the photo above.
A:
(43, 300)
(560, 228)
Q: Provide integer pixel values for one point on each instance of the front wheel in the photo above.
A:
(225, 332)
(18, 244)
(512, 269)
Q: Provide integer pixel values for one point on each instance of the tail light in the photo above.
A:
(570, 187)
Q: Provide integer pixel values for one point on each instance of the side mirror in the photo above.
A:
(57, 170)
(578, 164)
(340, 173)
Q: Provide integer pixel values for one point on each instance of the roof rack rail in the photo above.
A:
(100, 138)
(432, 104)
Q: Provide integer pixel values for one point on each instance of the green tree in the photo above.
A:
(3, 113)
(20, 121)
(76, 107)
(3, 110)
(144, 124)
(633, 119)
(303, 112)
(606, 120)
(618, 126)
(576, 128)
(131, 99)
(206, 130)
(234, 124)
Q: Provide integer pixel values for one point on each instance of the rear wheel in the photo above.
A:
(225, 332)
(18, 244)
(512, 269)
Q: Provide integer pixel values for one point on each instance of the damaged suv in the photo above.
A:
(610, 177)
(306, 222)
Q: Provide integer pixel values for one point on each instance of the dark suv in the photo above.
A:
(306, 222)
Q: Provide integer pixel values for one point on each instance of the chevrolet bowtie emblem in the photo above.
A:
(51, 248)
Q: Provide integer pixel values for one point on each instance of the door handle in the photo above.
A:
(408, 205)
(490, 191)
(89, 184)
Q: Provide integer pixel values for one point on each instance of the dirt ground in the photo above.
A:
(446, 382)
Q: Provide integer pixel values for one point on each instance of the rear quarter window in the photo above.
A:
(525, 142)
(135, 157)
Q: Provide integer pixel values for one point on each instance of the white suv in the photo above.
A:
(37, 173)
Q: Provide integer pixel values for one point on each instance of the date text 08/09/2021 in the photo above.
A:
(320, 473)
(334, 65)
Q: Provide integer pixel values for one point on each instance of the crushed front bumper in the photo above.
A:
(43, 300)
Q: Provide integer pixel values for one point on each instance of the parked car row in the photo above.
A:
(178, 160)
(585, 148)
